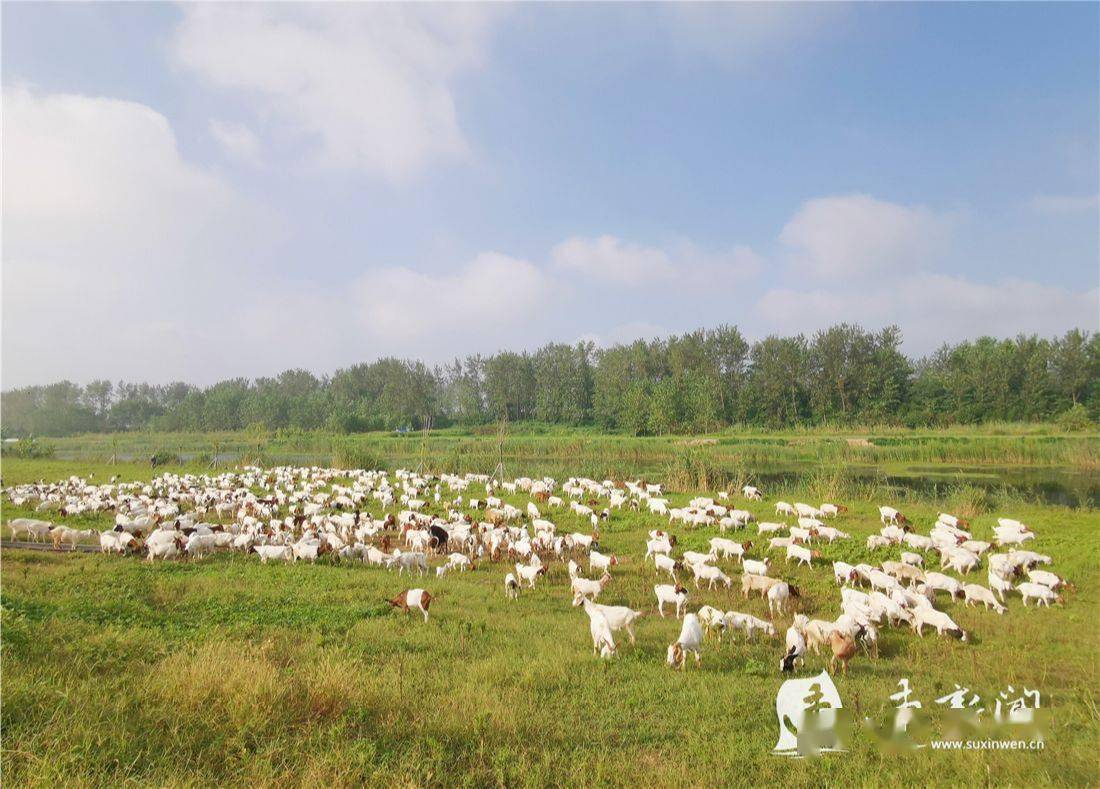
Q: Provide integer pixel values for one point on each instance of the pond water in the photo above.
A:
(1055, 486)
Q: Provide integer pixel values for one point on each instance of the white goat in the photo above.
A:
(690, 640)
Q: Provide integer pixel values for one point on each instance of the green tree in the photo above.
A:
(1073, 365)
(665, 406)
(778, 380)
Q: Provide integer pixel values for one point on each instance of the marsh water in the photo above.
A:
(1055, 486)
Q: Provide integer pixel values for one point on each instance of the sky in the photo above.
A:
(202, 191)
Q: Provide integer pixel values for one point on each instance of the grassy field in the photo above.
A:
(223, 671)
(532, 446)
(1034, 462)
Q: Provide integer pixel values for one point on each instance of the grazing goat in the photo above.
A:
(668, 564)
(694, 557)
(266, 552)
(803, 555)
(778, 596)
(889, 515)
(200, 544)
(115, 542)
(667, 593)
(530, 573)
(712, 619)
(1041, 594)
(164, 550)
(721, 547)
(749, 623)
(998, 584)
(598, 561)
(937, 619)
(1011, 535)
(511, 587)
(756, 567)
(944, 583)
(658, 547)
(844, 573)
(690, 640)
(603, 644)
(1044, 578)
(62, 534)
(844, 648)
(619, 617)
(757, 583)
(816, 632)
(830, 534)
(418, 599)
(35, 529)
(795, 645)
(952, 520)
(976, 593)
(903, 572)
(404, 561)
(960, 560)
(584, 588)
(1028, 559)
(710, 574)
(459, 561)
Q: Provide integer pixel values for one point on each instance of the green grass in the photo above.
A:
(223, 671)
(535, 446)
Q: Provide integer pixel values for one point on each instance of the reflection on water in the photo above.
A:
(1061, 487)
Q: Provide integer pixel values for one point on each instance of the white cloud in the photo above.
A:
(610, 259)
(935, 308)
(367, 86)
(485, 299)
(854, 235)
(493, 302)
(92, 172)
(115, 248)
(1065, 204)
(123, 260)
(237, 141)
(700, 266)
(613, 260)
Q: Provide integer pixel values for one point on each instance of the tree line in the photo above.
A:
(695, 382)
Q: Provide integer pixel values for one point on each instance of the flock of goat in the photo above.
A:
(292, 514)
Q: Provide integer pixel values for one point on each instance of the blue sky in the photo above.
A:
(194, 192)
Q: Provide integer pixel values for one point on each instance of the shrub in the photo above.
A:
(28, 448)
(165, 458)
(349, 456)
(1075, 418)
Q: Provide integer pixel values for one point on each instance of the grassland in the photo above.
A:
(991, 464)
(533, 444)
(223, 671)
